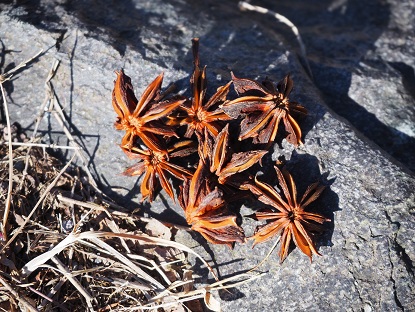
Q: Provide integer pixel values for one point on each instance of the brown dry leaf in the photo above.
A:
(263, 107)
(157, 229)
(288, 216)
(18, 219)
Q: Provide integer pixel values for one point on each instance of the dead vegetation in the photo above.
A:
(65, 246)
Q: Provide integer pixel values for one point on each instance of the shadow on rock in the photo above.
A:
(305, 170)
(338, 35)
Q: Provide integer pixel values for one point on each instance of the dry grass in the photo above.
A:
(66, 247)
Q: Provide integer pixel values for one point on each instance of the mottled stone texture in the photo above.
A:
(360, 131)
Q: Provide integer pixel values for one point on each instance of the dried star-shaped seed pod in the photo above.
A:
(264, 106)
(218, 156)
(290, 219)
(157, 163)
(206, 210)
(141, 118)
(203, 114)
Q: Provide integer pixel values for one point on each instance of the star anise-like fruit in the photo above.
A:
(288, 218)
(206, 210)
(201, 114)
(218, 156)
(141, 118)
(264, 106)
(156, 164)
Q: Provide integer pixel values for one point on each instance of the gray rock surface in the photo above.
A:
(360, 129)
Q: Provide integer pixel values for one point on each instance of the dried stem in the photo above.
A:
(39, 118)
(4, 77)
(60, 117)
(9, 189)
(45, 193)
(74, 282)
(267, 256)
(52, 292)
(92, 206)
(44, 145)
(17, 296)
(281, 18)
(9, 74)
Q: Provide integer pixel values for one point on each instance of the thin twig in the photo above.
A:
(74, 282)
(267, 256)
(204, 292)
(281, 18)
(90, 205)
(72, 201)
(140, 273)
(17, 296)
(93, 208)
(9, 74)
(37, 292)
(52, 292)
(9, 190)
(55, 146)
(58, 114)
(114, 205)
(110, 211)
(4, 77)
(44, 107)
(60, 117)
(45, 193)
